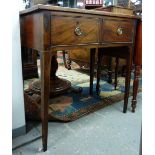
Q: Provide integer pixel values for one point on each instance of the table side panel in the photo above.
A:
(32, 27)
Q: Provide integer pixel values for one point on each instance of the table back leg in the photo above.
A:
(127, 78)
(116, 71)
(92, 64)
(100, 58)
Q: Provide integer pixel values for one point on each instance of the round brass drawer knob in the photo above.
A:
(119, 31)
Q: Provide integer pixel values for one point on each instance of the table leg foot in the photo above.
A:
(134, 102)
(44, 147)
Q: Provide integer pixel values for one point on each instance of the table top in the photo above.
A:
(39, 7)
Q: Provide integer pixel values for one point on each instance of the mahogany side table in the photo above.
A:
(48, 28)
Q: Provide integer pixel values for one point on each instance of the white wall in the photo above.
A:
(18, 114)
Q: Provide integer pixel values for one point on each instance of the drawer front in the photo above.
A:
(117, 30)
(74, 30)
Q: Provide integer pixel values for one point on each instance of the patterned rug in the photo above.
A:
(71, 106)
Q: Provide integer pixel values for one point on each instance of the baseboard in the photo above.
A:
(19, 131)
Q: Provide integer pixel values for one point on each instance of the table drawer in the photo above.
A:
(74, 30)
(117, 30)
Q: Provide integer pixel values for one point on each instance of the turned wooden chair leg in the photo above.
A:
(116, 71)
(92, 64)
(110, 70)
(135, 87)
(100, 58)
(64, 58)
(67, 62)
(127, 79)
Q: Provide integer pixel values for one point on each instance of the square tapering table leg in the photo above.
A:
(92, 65)
(45, 89)
(100, 58)
(127, 79)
